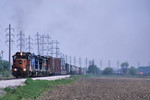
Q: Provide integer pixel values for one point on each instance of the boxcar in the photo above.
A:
(63, 71)
(57, 62)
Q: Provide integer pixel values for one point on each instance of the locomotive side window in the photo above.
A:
(29, 58)
(14, 57)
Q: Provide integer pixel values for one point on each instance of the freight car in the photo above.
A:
(26, 64)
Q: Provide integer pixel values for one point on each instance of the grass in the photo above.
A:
(34, 88)
(6, 77)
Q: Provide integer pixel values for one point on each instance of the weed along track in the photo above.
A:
(101, 89)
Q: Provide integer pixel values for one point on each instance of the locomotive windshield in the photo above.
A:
(21, 57)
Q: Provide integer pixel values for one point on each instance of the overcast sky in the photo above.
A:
(97, 29)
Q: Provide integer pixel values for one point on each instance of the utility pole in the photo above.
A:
(109, 64)
(52, 47)
(29, 40)
(10, 41)
(49, 45)
(80, 61)
(101, 64)
(61, 56)
(66, 58)
(70, 59)
(43, 43)
(21, 40)
(38, 42)
(56, 48)
(2, 52)
(86, 61)
(74, 60)
(138, 64)
(118, 64)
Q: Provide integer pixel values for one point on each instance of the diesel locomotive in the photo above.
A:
(26, 64)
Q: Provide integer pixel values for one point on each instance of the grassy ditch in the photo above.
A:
(34, 88)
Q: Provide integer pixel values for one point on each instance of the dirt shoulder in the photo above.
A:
(102, 89)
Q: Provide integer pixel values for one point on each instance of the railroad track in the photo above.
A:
(25, 78)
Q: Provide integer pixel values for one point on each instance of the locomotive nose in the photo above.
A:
(20, 61)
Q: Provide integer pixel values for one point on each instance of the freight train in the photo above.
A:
(26, 64)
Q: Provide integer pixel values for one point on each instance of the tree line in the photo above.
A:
(4, 66)
(124, 70)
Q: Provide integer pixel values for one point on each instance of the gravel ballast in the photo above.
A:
(20, 82)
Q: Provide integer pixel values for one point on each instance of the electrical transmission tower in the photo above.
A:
(80, 62)
(38, 42)
(70, 59)
(21, 41)
(101, 64)
(86, 62)
(66, 59)
(109, 63)
(56, 48)
(10, 41)
(49, 45)
(63, 56)
(2, 52)
(29, 43)
(45, 41)
(138, 64)
(118, 64)
(74, 60)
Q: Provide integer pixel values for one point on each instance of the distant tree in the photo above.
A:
(93, 69)
(5, 64)
(124, 67)
(132, 70)
(108, 71)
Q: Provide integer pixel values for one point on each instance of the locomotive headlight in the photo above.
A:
(24, 69)
(21, 53)
(15, 69)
